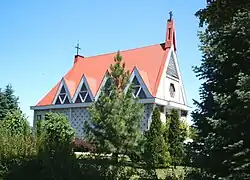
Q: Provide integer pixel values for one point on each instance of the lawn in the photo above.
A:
(162, 173)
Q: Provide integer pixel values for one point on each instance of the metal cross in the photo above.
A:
(170, 15)
(77, 48)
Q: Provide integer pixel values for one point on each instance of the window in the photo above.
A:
(184, 113)
(172, 69)
(138, 91)
(62, 97)
(172, 90)
(161, 108)
(83, 95)
(38, 117)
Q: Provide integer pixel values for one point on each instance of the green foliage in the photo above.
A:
(192, 133)
(53, 157)
(57, 131)
(16, 142)
(115, 117)
(16, 138)
(196, 174)
(156, 147)
(8, 101)
(176, 138)
(184, 128)
(16, 123)
(222, 118)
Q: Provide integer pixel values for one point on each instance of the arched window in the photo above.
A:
(172, 90)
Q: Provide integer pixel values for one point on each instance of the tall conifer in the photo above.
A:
(222, 118)
(176, 138)
(156, 146)
(8, 101)
(114, 126)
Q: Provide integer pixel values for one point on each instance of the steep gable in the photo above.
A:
(149, 61)
(171, 85)
(83, 93)
(62, 95)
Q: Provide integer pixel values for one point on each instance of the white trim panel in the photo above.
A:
(104, 80)
(135, 73)
(63, 83)
(83, 81)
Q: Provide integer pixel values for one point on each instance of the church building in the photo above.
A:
(154, 70)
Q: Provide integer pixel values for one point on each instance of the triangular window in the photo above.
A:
(62, 97)
(172, 69)
(138, 92)
(83, 95)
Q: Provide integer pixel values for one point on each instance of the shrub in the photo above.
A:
(80, 145)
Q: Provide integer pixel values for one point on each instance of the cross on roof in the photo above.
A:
(77, 48)
(170, 15)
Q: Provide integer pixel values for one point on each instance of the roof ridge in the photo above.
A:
(103, 54)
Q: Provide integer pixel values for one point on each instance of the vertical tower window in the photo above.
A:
(172, 90)
(172, 69)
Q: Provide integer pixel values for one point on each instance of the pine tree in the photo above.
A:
(12, 100)
(156, 147)
(114, 126)
(176, 138)
(8, 101)
(222, 118)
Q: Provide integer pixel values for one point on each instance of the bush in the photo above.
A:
(17, 144)
(80, 145)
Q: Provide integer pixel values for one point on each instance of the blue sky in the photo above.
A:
(37, 38)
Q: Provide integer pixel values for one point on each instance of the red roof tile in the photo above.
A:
(149, 61)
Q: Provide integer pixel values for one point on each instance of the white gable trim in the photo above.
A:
(135, 73)
(104, 80)
(83, 81)
(180, 78)
(164, 75)
(63, 83)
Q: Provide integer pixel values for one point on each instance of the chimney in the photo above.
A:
(170, 33)
(77, 58)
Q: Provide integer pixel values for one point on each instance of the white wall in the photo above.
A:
(163, 90)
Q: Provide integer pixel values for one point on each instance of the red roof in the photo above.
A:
(149, 61)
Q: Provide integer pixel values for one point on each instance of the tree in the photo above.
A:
(16, 142)
(8, 101)
(16, 139)
(176, 138)
(56, 159)
(156, 147)
(57, 132)
(16, 123)
(222, 117)
(115, 117)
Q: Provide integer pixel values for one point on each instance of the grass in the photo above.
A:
(162, 173)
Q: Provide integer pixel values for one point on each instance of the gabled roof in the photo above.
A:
(149, 61)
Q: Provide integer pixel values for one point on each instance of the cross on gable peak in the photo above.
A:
(170, 16)
(77, 48)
